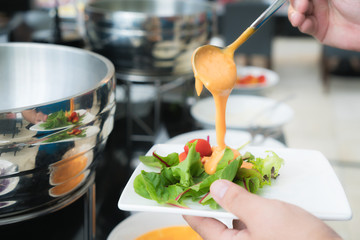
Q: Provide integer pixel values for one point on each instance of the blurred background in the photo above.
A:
(317, 88)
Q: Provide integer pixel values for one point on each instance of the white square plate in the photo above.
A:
(306, 180)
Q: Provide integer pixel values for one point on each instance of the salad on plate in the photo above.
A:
(183, 177)
(62, 119)
(70, 133)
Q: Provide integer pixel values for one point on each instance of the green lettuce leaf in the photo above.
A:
(153, 186)
(269, 166)
(250, 179)
(228, 173)
(226, 158)
(160, 162)
(55, 120)
(208, 200)
(189, 168)
(263, 170)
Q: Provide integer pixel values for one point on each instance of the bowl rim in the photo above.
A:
(93, 7)
(108, 77)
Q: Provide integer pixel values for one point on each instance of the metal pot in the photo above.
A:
(47, 157)
(149, 37)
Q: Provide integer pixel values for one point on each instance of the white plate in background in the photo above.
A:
(271, 78)
(140, 223)
(241, 111)
(90, 131)
(306, 180)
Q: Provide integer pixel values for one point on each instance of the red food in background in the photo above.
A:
(72, 117)
(74, 131)
(251, 79)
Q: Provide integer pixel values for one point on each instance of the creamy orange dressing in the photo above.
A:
(171, 233)
(217, 71)
(215, 68)
(247, 165)
(211, 162)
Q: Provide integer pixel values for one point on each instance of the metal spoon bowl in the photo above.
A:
(229, 50)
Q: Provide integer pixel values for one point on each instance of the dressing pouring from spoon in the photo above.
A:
(215, 68)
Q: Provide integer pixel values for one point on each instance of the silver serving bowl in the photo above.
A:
(48, 156)
(149, 37)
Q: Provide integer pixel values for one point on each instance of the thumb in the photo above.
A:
(236, 199)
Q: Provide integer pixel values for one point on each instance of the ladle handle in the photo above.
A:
(267, 14)
(254, 26)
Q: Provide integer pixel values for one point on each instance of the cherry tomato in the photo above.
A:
(75, 119)
(202, 146)
(71, 116)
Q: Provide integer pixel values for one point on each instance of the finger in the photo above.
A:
(212, 229)
(306, 24)
(295, 18)
(237, 200)
(207, 228)
(309, 26)
(300, 6)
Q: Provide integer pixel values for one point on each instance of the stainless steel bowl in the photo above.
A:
(45, 167)
(149, 37)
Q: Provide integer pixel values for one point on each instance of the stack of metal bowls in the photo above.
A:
(149, 37)
(57, 109)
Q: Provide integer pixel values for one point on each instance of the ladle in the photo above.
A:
(229, 50)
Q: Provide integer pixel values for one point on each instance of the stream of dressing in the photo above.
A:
(216, 69)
